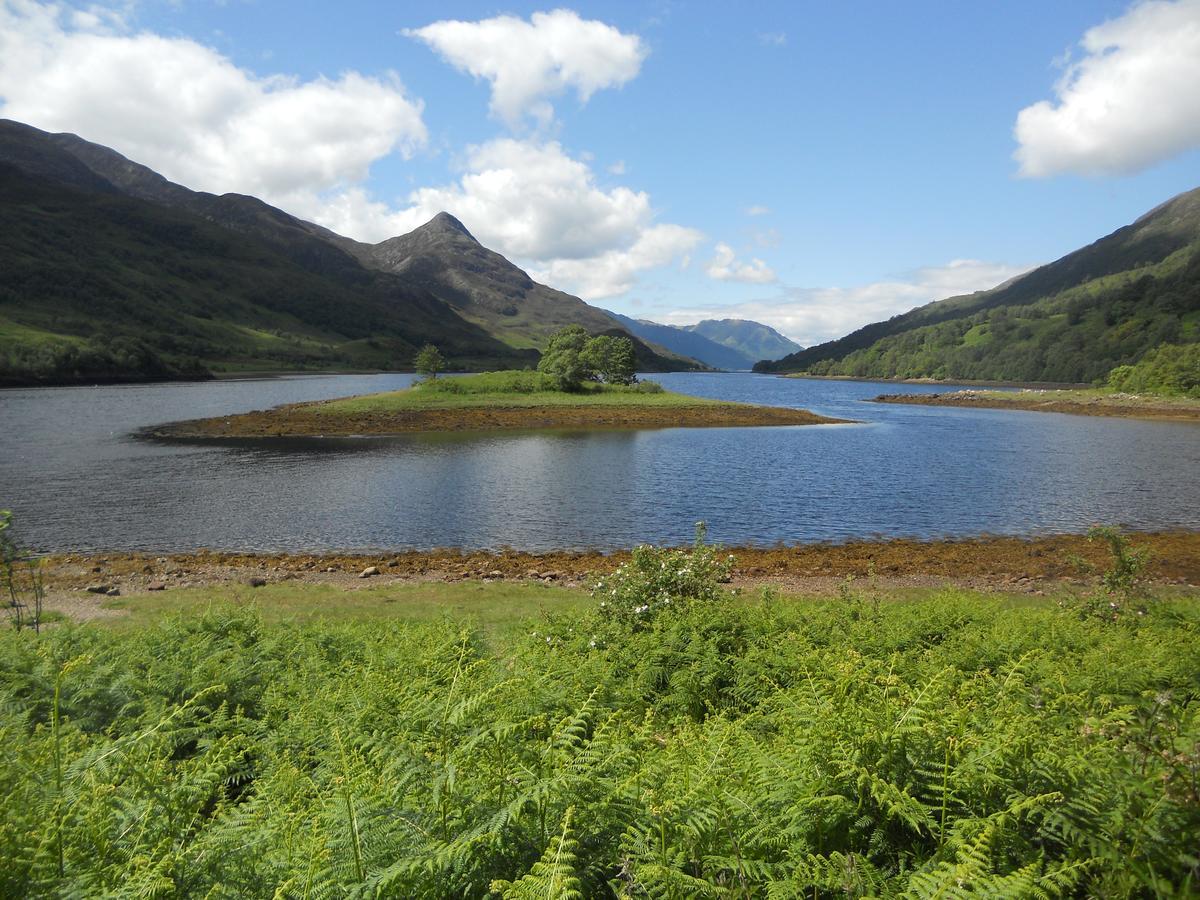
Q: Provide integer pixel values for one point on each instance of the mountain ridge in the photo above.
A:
(1072, 320)
(287, 278)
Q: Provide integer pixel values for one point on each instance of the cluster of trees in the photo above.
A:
(1172, 369)
(99, 359)
(572, 357)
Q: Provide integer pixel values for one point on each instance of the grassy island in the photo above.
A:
(1095, 402)
(491, 400)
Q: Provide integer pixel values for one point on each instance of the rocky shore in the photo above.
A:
(1080, 403)
(311, 420)
(79, 584)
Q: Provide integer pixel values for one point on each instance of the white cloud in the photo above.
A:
(307, 146)
(617, 168)
(814, 315)
(614, 271)
(757, 210)
(773, 38)
(724, 266)
(189, 113)
(530, 62)
(533, 202)
(1132, 101)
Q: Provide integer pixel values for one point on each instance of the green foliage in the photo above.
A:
(656, 581)
(563, 358)
(20, 579)
(509, 382)
(429, 361)
(1122, 585)
(1172, 369)
(610, 359)
(571, 358)
(954, 746)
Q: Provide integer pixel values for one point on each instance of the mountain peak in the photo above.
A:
(445, 222)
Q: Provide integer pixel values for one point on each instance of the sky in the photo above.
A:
(813, 166)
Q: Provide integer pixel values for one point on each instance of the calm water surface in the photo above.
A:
(77, 479)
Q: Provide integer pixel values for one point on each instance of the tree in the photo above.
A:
(611, 358)
(564, 358)
(429, 361)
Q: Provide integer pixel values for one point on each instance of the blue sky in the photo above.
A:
(814, 166)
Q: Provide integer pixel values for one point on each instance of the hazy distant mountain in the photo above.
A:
(733, 344)
(110, 271)
(687, 343)
(1106, 305)
(753, 340)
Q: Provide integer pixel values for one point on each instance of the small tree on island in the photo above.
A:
(611, 359)
(429, 361)
(563, 359)
(572, 358)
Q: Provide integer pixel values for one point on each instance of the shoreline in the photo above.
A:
(1019, 565)
(1079, 403)
(308, 420)
(965, 382)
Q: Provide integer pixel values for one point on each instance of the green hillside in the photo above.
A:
(97, 285)
(1106, 305)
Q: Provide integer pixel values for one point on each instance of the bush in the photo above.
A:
(655, 581)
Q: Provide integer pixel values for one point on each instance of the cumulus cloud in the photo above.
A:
(814, 315)
(189, 113)
(307, 146)
(724, 266)
(529, 62)
(534, 202)
(757, 210)
(614, 271)
(1133, 99)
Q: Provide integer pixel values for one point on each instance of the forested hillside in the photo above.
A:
(1074, 320)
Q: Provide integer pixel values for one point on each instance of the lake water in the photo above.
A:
(77, 479)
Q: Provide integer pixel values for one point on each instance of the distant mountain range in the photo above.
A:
(1074, 320)
(733, 344)
(108, 271)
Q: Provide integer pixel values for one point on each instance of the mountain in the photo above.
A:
(753, 340)
(687, 343)
(734, 344)
(485, 288)
(108, 271)
(1074, 320)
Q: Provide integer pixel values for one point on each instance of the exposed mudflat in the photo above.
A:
(310, 420)
(1124, 405)
(1035, 565)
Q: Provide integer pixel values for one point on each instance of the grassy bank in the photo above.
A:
(1091, 402)
(490, 401)
(660, 738)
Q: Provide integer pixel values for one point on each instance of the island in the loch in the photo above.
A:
(1097, 402)
(487, 401)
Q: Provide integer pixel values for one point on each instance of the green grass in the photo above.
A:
(494, 607)
(513, 388)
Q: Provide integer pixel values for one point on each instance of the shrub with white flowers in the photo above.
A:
(655, 580)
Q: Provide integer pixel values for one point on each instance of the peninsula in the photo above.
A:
(1097, 402)
(490, 401)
